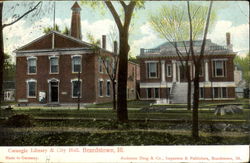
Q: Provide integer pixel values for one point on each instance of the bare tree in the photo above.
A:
(171, 23)
(197, 59)
(111, 64)
(16, 18)
(123, 22)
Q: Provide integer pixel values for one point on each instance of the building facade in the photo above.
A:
(163, 77)
(62, 69)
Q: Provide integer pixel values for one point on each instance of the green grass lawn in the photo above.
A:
(132, 113)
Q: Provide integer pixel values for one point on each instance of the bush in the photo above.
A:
(21, 120)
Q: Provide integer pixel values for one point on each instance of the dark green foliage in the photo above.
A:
(116, 138)
(21, 120)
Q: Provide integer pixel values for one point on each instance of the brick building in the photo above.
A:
(163, 78)
(54, 67)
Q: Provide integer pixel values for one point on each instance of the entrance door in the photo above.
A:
(54, 91)
(183, 76)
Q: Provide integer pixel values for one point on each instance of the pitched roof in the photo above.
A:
(75, 6)
(60, 41)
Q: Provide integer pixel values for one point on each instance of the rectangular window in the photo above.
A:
(54, 68)
(220, 92)
(76, 88)
(100, 65)
(201, 70)
(216, 92)
(32, 65)
(31, 89)
(224, 92)
(219, 68)
(76, 64)
(169, 70)
(100, 87)
(108, 88)
(201, 93)
(107, 65)
(152, 70)
(156, 93)
(149, 95)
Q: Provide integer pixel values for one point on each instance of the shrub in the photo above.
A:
(20, 120)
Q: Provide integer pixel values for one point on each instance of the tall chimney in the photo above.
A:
(228, 38)
(104, 41)
(75, 30)
(115, 47)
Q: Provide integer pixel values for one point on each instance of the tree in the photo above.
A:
(110, 63)
(46, 30)
(65, 31)
(8, 68)
(16, 18)
(123, 24)
(197, 60)
(172, 23)
(243, 63)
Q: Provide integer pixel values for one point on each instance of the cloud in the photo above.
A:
(239, 35)
(97, 29)
(22, 33)
(148, 40)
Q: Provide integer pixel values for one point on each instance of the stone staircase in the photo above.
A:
(179, 93)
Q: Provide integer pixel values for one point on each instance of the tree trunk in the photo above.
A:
(195, 126)
(189, 94)
(1, 53)
(189, 88)
(122, 113)
(114, 94)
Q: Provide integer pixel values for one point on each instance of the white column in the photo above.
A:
(206, 71)
(174, 71)
(163, 78)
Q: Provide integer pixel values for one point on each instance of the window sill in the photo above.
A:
(31, 97)
(75, 97)
(76, 72)
(31, 73)
(52, 73)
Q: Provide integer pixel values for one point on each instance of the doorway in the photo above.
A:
(54, 91)
(182, 77)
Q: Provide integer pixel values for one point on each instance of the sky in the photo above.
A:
(232, 16)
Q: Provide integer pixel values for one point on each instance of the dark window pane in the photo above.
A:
(32, 89)
(216, 92)
(108, 88)
(32, 65)
(76, 64)
(54, 68)
(77, 68)
(54, 65)
(201, 92)
(76, 88)
(156, 92)
(224, 92)
(100, 88)
(149, 93)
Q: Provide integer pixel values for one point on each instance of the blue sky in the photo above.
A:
(232, 16)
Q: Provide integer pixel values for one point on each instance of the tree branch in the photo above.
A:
(205, 32)
(123, 4)
(129, 13)
(191, 33)
(115, 14)
(26, 13)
